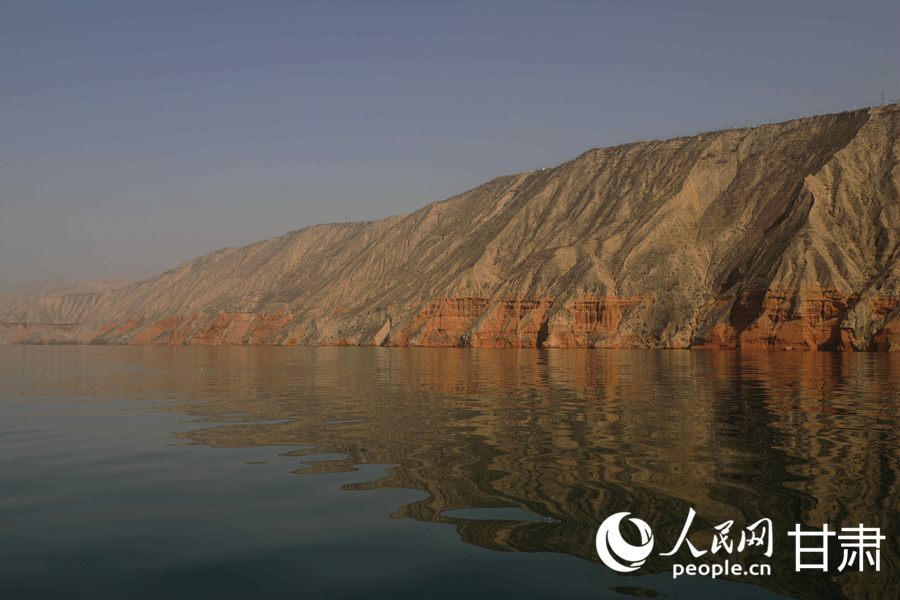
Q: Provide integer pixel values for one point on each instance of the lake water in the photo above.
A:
(177, 472)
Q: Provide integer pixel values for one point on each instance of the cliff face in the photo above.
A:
(782, 236)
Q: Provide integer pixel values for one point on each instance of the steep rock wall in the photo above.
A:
(783, 236)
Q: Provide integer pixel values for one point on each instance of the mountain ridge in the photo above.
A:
(782, 236)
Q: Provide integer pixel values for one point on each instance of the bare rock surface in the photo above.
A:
(783, 236)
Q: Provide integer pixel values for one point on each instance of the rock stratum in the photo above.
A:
(783, 236)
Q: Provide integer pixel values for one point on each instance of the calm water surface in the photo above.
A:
(157, 472)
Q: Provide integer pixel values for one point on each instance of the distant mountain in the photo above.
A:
(58, 285)
(18, 300)
(782, 236)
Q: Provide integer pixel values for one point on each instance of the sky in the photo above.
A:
(137, 135)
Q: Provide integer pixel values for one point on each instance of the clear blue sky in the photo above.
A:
(137, 135)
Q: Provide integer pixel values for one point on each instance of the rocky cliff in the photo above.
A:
(782, 236)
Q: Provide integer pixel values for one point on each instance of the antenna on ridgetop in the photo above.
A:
(882, 98)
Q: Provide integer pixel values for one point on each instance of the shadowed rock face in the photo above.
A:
(782, 236)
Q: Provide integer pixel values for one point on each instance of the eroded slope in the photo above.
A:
(780, 236)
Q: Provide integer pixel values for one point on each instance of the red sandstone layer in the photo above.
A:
(808, 319)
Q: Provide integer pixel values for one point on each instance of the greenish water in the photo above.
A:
(157, 472)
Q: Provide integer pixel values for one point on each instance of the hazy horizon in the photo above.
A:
(137, 138)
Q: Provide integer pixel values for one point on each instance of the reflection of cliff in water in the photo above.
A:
(575, 436)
